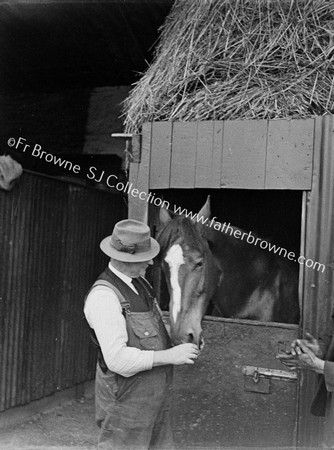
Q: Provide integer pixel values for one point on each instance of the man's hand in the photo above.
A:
(310, 342)
(303, 358)
(180, 354)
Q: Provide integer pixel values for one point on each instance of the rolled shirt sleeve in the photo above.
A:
(103, 312)
(329, 375)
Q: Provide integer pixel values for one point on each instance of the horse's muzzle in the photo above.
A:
(197, 340)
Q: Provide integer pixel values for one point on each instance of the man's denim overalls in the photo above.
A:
(133, 412)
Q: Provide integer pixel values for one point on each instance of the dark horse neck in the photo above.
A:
(256, 282)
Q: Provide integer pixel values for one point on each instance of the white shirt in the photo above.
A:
(103, 312)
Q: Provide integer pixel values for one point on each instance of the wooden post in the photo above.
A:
(139, 179)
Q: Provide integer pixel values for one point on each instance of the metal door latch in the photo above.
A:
(258, 379)
(274, 374)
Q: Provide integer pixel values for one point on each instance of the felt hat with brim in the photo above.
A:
(130, 242)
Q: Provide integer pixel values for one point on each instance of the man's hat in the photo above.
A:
(130, 242)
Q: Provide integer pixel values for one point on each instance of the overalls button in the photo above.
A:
(146, 333)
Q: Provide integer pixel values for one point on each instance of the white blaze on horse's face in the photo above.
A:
(174, 258)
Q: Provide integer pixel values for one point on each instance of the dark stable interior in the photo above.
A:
(273, 215)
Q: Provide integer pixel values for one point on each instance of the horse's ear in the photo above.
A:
(164, 216)
(205, 211)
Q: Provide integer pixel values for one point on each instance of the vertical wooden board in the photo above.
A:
(204, 148)
(318, 286)
(160, 155)
(139, 179)
(289, 154)
(208, 154)
(183, 155)
(244, 153)
(218, 136)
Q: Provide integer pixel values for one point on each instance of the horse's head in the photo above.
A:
(191, 272)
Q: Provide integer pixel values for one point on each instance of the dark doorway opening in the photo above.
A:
(273, 215)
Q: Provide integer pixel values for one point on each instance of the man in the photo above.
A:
(135, 358)
(318, 356)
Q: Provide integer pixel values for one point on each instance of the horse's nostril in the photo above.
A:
(198, 340)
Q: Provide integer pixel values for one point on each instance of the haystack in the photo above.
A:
(238, 59)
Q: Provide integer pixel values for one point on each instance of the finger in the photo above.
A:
(190, 361)
(311, 338)
(289, 366)
(192, 346)
(298, 347)
(285, 356)
(188, 347)
(305, 349)
(294, 345)
(286, 359)
(289, 363)
(193, 352)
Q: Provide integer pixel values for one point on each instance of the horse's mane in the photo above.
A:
(181, 226)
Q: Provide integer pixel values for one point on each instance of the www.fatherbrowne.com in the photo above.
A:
(227, 228)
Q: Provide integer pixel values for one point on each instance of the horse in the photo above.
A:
(204, 264)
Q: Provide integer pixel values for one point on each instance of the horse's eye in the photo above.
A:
(199, 264)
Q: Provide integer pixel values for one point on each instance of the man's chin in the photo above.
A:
(141, 273)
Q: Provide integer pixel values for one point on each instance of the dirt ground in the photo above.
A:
(69, 427)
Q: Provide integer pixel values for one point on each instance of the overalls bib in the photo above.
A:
(133, 412)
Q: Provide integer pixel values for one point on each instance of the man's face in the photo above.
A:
(136, 269)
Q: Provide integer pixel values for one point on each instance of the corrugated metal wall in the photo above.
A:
(318, 293)
(49, 234)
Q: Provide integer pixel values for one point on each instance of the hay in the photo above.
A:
(238, 59)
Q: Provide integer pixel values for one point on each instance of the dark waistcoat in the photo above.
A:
(144, 303)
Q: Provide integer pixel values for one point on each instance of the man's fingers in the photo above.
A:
(310, 338)
(287, 359)
(285, 356)
(298, 347)
(288, 363)
(304, 348)
(293, 346)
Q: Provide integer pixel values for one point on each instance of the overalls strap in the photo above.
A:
(125, 311)
(150, 291)
(124, 304)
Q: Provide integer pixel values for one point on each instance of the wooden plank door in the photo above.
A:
(218, 403)
(214, 401)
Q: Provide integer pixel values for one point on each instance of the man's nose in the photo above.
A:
(150, 262)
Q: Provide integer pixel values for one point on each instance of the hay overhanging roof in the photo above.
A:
(239, 59)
